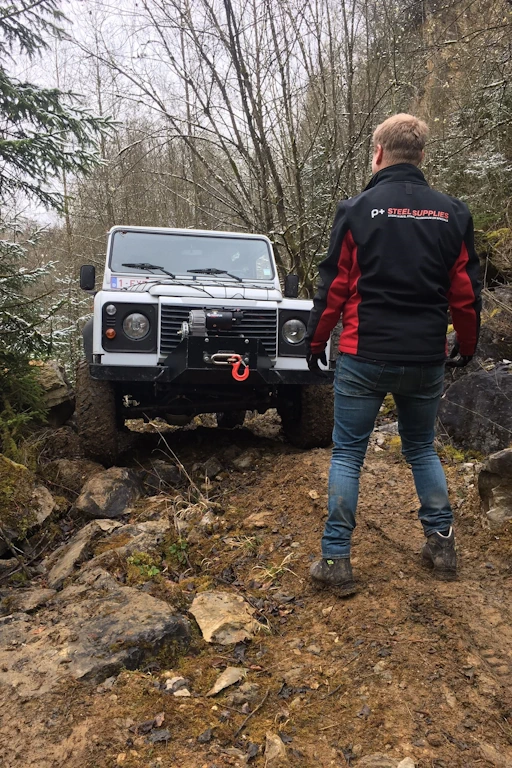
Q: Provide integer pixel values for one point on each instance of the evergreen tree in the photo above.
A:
(43, 133)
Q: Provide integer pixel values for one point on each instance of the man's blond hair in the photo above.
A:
(402, 137)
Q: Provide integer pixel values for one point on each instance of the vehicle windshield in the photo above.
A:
(245, 258)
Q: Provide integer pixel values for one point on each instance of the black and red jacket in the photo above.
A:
(400, 255)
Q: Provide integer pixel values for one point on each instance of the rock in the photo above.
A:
(160, 477)
(128, 539)
(224, 618)
(476, 411)
(436, 739)
(44, 504)
(275, 751)
(259, 520)
(63, 562)
(498, 758)
(108, 494)
(495, 487)
(230, 676)
(71, 474)
(406, 763)
(245, 460)
(388, 429)
(25, 600)
(212, 468)
(57, 392)
(23, 505)
(247, 693)
(92, 630)
(377, 760)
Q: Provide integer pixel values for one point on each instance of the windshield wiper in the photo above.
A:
(148, 268)
(214, 271)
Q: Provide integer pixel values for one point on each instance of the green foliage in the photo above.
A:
(141, 567)
(178, 551)
(44, 130)
(44, 134)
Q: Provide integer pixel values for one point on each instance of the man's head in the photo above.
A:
(399, 139)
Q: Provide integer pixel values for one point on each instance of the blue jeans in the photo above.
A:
(359, 390)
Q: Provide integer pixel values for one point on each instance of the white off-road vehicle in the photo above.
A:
(190, 322)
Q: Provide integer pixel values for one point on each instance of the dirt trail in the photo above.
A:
(407, 667)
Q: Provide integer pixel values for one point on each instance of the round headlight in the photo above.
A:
(111, 309)
(293, 331)
(136, 326)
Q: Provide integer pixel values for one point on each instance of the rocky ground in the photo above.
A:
(103, 656)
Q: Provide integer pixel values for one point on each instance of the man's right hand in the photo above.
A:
(313, 358)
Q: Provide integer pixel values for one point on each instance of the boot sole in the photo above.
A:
(438, 574)
(340, 590)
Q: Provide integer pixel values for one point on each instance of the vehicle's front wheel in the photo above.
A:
(230, 419)
(307, 414)
(96, 417)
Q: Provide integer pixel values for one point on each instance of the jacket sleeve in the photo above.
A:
(464, 294)
(333, 286)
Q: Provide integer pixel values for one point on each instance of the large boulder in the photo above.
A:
(110, 493)
(24, 505)
(495, 487)
(57, 392)
(90, 631)
(476, 411)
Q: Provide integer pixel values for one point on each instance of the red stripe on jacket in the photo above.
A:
(461, 298)
(337, 296)
(349, 339)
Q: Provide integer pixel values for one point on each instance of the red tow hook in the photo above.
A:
(236, 362)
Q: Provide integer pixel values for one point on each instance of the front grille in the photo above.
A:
(256, 324)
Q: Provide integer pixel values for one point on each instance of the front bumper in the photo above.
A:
(188, 364)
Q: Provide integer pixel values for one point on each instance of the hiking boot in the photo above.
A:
(333, 574)
(439, 553)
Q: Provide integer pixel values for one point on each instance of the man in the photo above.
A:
(400, 255)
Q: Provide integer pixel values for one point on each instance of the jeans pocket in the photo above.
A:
(357, 377)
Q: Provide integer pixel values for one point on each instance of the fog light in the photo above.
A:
(111, 309)
(110, 333)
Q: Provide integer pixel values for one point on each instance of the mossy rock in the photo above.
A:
(17, 505)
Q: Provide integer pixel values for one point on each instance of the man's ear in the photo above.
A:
(379, 152)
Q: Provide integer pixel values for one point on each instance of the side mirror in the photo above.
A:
(291, 286)
(87, 277)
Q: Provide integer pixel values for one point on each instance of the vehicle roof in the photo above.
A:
(174, 231)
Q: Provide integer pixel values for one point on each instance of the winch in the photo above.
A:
(202, 321)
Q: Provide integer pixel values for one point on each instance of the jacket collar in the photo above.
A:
(398, 172)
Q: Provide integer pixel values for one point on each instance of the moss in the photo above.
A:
(388, 407)
(17, 513)
(142, 567)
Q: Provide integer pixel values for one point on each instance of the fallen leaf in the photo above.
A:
(230, 676)
(313, 494)
(365, 711)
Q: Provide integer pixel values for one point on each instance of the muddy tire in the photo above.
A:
(307, 415)
(230, 419)
(96, 418)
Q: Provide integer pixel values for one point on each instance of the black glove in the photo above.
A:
(313, 358)
(456, 360)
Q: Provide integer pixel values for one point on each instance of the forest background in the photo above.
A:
(251, 115)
